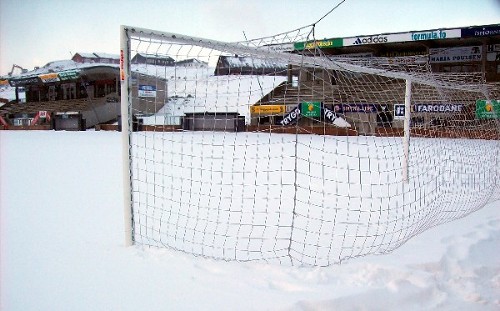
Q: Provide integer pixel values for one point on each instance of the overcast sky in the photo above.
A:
(35, 32)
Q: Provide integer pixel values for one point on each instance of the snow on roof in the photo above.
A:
(87, 55)
(154, 56)
(59, 66)
(107, 55)
(239, 62)
(99, 55)
(190, 60)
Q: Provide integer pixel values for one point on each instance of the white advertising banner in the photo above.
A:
(404, 37)
(457, 54)
(147, 91)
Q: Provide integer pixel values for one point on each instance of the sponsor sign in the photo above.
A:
(456, 54)
(122, 62)
(436, 34)
(311, 109)
(329, 115)
(68, 75)
(493, 53)
(322, 44)
(285, 47)
(481, 31)
(291, 117)
(377, 39)
(399, 111)
(360, 108)
(437, 108)
(488, 109)
(493, 48)
(49, 77)
(317, 107)
(24, 81)
(267, 109)
(355, 55)
(147, 91)
(404, 37)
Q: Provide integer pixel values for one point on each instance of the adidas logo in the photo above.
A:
(358, 41)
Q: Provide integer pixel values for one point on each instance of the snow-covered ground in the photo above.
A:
(62, 249)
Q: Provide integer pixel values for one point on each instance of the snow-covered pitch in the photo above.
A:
(62, 249)
(301, 199)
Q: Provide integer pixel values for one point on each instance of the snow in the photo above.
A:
(242, 62)
(62, 249)
(196, 90)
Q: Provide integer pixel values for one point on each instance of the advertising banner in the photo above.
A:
(23, 81)
(267, 109)
(68, 75)
(322, 44)
(285, 47)
(485, 31)
(399, 111)
(437, 108)
(147, 91)
(360, 108)
(311, 109)
(488, 109)
(457, 54)
(404, 37)
(49, 77)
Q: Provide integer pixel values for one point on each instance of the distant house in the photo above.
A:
(152, 59)
(238, 65)
(192, 63)
(99, 58)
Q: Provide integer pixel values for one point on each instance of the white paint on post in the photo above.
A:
(125, 134)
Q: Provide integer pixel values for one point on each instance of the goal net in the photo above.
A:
(271, 150)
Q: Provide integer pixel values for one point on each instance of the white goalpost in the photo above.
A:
(270, 150)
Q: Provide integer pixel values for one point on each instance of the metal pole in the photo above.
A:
(406, 136)
(125, 135)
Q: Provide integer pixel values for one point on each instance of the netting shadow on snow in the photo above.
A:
(271, 150)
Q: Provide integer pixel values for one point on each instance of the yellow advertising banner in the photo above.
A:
(267, 109)
(49, 77)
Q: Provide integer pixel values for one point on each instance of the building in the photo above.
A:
(63, 89)
(191, 63)
(101, 58)
(468, 53)
(152, 59)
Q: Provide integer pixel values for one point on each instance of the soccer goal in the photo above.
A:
(271, 150)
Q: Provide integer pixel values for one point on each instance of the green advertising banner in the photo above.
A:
(68, 75)
(488, 109)
(322, 44)
(311, 109)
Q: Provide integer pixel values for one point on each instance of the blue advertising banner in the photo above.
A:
(481, 31)
(361, 108)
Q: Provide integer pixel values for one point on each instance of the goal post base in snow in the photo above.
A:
(258, 151)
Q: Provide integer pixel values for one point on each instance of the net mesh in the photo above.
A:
(271, 150)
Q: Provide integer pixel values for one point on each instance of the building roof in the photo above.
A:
(58, 70)
(145, 55)
(98, 55)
